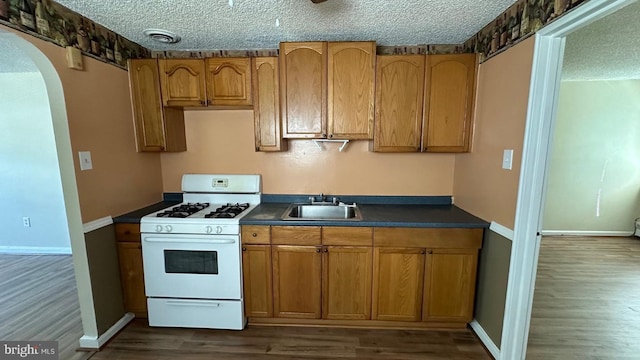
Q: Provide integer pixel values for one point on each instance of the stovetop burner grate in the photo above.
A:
(184, 210)
(228, 211)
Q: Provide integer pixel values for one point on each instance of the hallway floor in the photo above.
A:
(587, 299)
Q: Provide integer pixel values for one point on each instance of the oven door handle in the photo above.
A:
(192, 303)
(191, 241)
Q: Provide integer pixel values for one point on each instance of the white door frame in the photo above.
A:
(543, 96)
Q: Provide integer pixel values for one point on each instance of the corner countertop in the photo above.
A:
(388, 215)
(133, 217)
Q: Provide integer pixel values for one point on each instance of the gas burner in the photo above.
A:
(228, 211)
(183, 210)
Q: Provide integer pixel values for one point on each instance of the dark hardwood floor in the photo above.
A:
(140, 342)
(40, 302)
(587, 299)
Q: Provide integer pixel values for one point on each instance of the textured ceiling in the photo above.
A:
(608, 49)
(251, 24)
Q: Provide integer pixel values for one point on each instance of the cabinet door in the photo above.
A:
(296, 281)
(132, 277)
(397, 283)
(256, 276)
(351, 71)
(449, 285)
(399, 96)
(266, 104)
(346, 282)
(157, 129)
(229, 81)
(183, 82)
(448, 102)
(303, 89)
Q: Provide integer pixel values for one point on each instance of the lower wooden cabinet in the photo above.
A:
(297, 281)
(449, 285)
(256, 270)
(131, 271)
(346, 282)
(360, 276)
(397, 285)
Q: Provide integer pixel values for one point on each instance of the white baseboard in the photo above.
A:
(92, 342)
(486, 340)
(35, 250)
(585, 233)
(501, 230)
(97, 224)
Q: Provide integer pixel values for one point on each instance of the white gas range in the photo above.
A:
(192, 253)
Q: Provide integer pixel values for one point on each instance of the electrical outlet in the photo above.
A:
(26, 221)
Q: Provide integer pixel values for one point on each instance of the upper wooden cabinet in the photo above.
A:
(445, 86)
(448, 102)
(327, 89)
(351, 70)
(183, 82)
(229, 81)
(157, 128)
(303, 88)
(399, 96)
(266, 104)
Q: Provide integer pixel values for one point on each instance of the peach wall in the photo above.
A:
(481, 186)
(221, 141)
(100, 121)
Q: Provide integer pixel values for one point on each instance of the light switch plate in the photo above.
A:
(85, 160)
(507, 159)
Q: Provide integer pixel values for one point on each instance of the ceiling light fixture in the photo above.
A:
(162, 36)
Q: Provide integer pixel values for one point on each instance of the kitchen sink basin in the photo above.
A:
(322, 212)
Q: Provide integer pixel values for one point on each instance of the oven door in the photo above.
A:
(192, 266)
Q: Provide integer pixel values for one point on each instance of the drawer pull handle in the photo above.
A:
(254, 234)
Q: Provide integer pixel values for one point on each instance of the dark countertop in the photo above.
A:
(134, 216)
(441, 216)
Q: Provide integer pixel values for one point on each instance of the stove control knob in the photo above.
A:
(218, 229)
(158, 228)
(208, 229)
(168, 228)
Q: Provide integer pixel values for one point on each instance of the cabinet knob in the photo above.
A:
(244, 248)
(423, 252)
(330, 136)
(326, 250)
(430, 252)
(254, 234)
(318, 249)
(324, 136)
(202, 102)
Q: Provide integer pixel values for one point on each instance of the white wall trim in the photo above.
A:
(97, 224)
(501, 230)
(585, 233)
(484, 337)
(93, 342)
(35, 250)
(541, 109)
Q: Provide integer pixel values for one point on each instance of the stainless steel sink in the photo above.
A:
(322, 212)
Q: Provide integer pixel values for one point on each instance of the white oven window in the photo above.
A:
(191, 262)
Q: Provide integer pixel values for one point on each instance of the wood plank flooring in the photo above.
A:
(40, 302)
(587, 299)
(140, 342)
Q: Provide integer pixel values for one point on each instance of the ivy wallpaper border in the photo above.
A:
(50, 21)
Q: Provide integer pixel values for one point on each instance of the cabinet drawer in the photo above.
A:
(127, 232)
(434, 238)
(348, 236)
(296, 235)
(256, 234)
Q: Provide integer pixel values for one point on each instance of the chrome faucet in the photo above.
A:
(323, 199)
